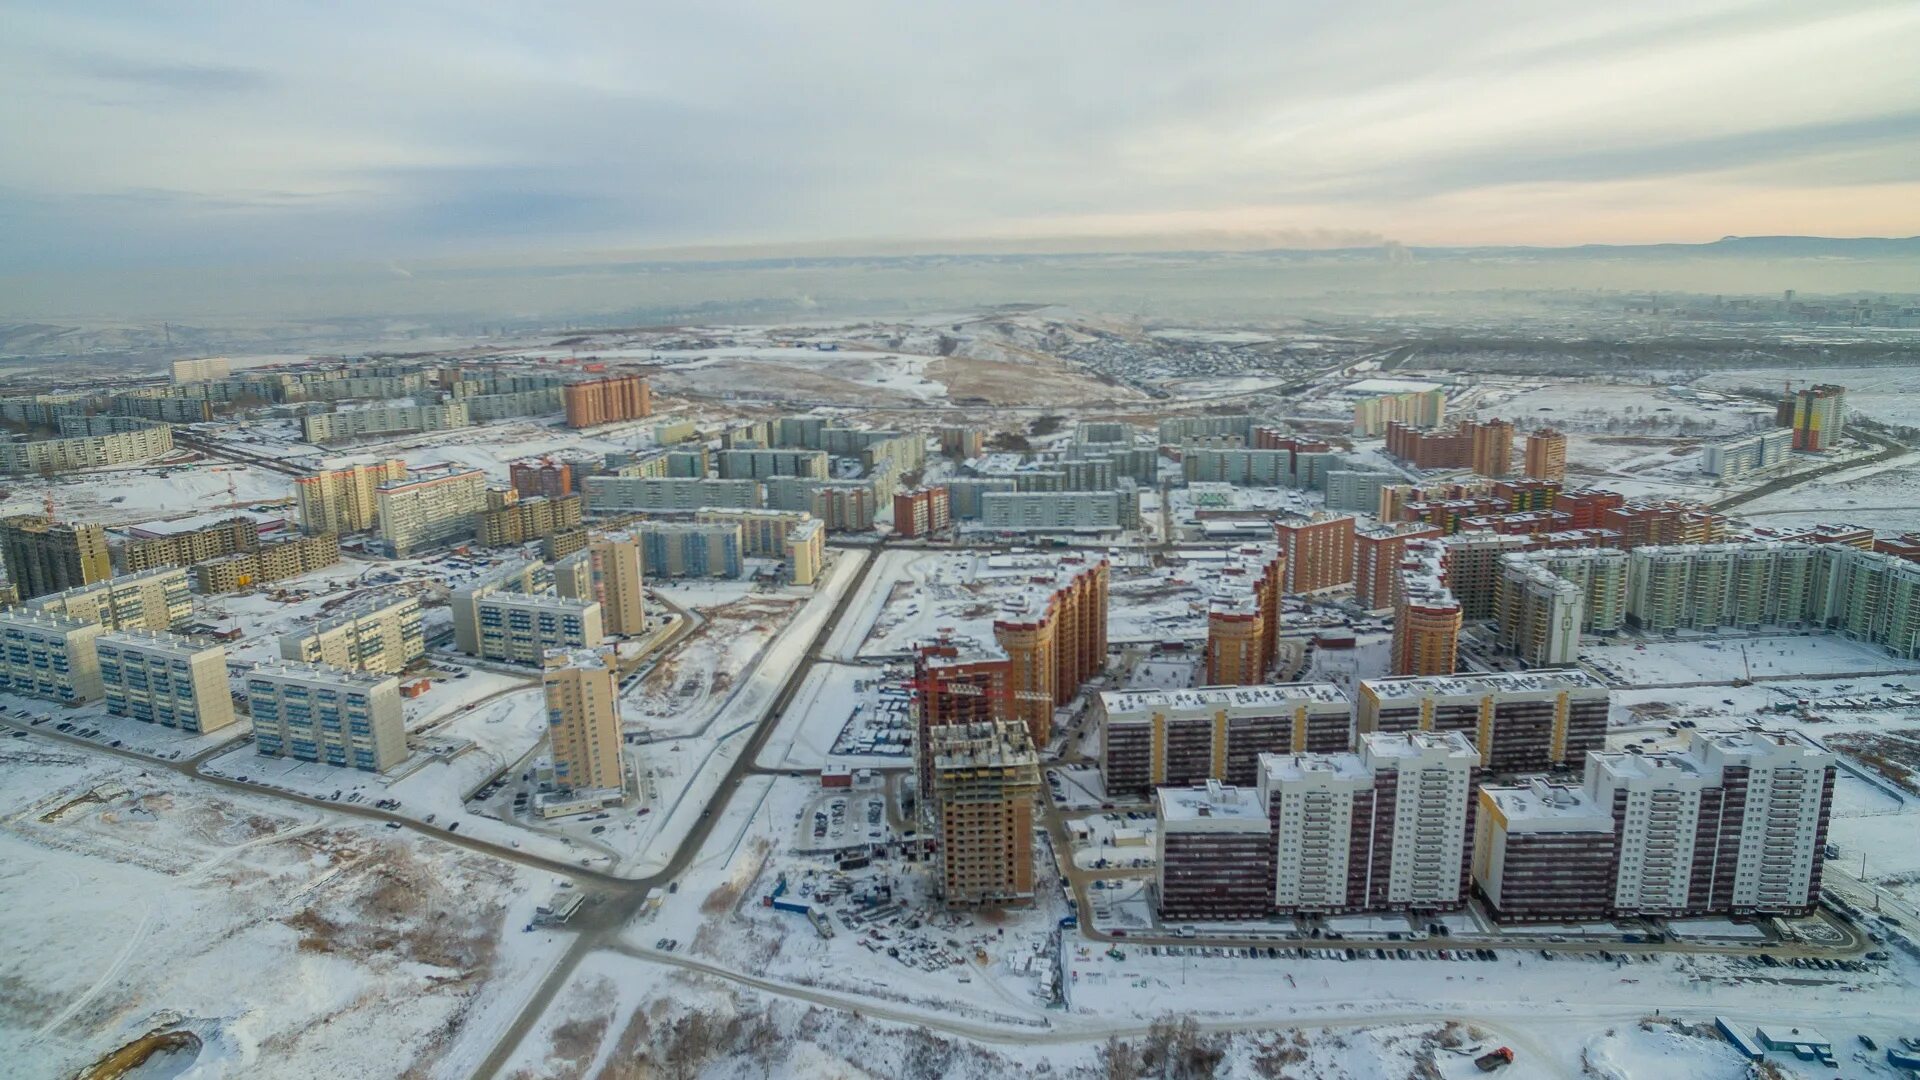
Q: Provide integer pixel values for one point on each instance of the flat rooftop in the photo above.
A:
(1234, 809)
(1415, 687)
(1265, 700)
(1396, 745)
(1538, 805)
(1295, 768)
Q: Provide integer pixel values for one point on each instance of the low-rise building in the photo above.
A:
(154, 599)
(384, 636)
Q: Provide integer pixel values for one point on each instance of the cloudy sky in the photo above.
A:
(144, 134)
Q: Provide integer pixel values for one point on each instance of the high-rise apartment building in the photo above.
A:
(1426, 615)
(199, 369)
(379, 635)
(156, 599)
(921, 512)
(583, 722)
(1055, 639)
(606, 401)
(1214, 853)
(1734, 825)
(189, 546)
(1757, 451)
(1318, 551)
(984, 779)
(607, 571)
(1546, 457)
(553, 479)
(1243, 617)
(431, 508)
(50, 657)
(794, 536)
(520, 628)
(521, 520)
(313, 712)
(165, 679)
(1421, 408)
(44, 556)
(1519, 722)
(1492, 447)
(1377, 557)
(1155, 738)
(1538, 614)
(627, 494)
(341, 500)
(963, 442)
(1818, 415)
(269, 562)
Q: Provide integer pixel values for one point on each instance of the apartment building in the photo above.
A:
(1421, 408)
(1060, 511)
(1601, 574)
(958, 681)
(519, 520)
(1426, 615)
(985, 777)
(760, 464)
(840, 505)
(583, 723)
(921, 512)
(270, 562)
(1869, 596)
(1818, 416)
(1357, 489)
(201, 369)
(670, 432)
(607, 571)
(1214, 853)
(318, 713)
(341, 500)
(1472, 562)
(1318, 550)
(962, 443)
(1181, 430)
(1546, 454)
(1709, 586)
(1492, 453)
(1157, 738)
(1730, 459)
(1312, 800)
(1055, 638)
(1243, 617)
(1427, 447)
(606, 401)
(553, 479)
(643, 494)
(189, 546)
(1734, 825)
(1377, 557)
(1538, 614)
(88, 442)
(964, 494)
(1645, 524)
(50, 657)
(676, 549)
(519, 628)
(432, 508)
(527, 576)
(346, 424)
(44, 556)
(1519, 721)
(795, 536)
(154, 599)
(384, 636)
(165, 679)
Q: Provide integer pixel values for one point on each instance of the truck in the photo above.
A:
(1494, 1059)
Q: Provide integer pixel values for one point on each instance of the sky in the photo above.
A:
(149, 135)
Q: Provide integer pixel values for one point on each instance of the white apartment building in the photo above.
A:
(1770, 849)
(50, 657)
(153, 599)
(382, 636)
(1311, 799)
(1736, 457)
(165, 679)
(312, 712)
(432, 508)
(1427, 778)
(1657, 800)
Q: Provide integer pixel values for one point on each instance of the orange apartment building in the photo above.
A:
(553, 479)
(921, 512)
(1546, 454)
(1243, 618)
(1492, 447)
(1055, 639)
(1318, 551)
(1377, 555)
(605, 401)
(1426, 617)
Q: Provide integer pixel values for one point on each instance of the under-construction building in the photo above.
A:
(984, 778)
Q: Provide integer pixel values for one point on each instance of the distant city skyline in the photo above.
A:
(247, 133)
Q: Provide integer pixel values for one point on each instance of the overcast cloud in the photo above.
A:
(142, 134)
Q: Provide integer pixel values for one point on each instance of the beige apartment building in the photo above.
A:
(381, 636)
(607, 571)
(341, 500)
(985, 778)
(45, 556)
(154, 599)
(431, 508)
(50, 657)
(165, 679)
(583, 721)
(351, 719)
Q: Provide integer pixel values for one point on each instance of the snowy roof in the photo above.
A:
(1397, 745)
(1138, 706)
(1506, 683)
(319, 674)
(1538, 806)
(1212, 807)
(1297, 768)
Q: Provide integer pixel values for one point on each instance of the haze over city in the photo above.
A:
(948, 542)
